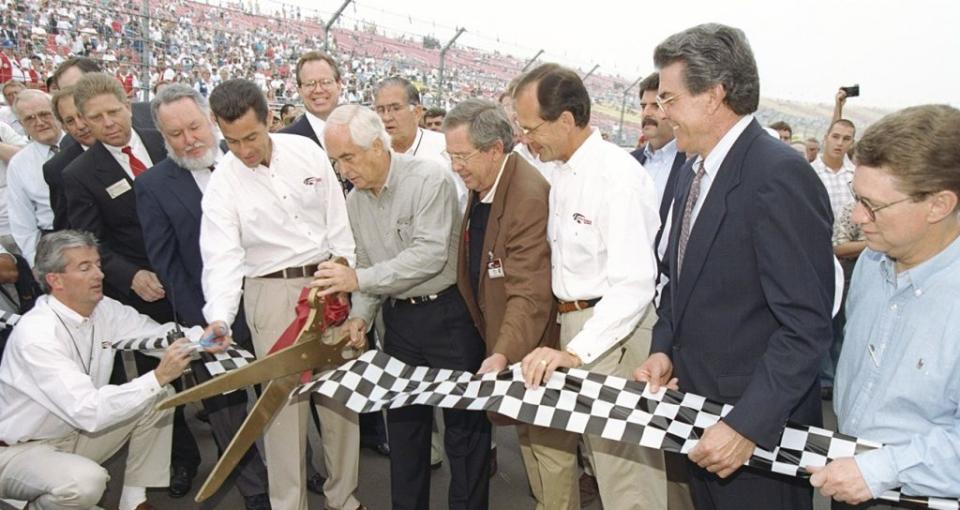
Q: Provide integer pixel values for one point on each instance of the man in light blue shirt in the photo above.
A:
(898, 379)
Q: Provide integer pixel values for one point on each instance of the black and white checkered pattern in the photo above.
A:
(216, 364)
(582, 402)
(8, 320)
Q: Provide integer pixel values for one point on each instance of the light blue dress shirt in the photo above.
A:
(898, 379)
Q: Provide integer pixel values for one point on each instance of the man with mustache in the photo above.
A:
(168, 205)
(659, 157)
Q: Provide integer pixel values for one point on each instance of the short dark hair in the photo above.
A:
(844, 122)
(781, 126)
(435, 112)
(286, 108)
(57, 97)
(311, 56)
(85, 64)
(232, 99)
(651, 82)
(714, 54)
(558, 90)
(409, 89)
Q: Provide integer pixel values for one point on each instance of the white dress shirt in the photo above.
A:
(9, 136)
(545, 169)
(55, 374)
(712, 164)
(138, 149)
(603, 219)
(316, 123)
(432, 145)
(261, 220)
(9, 118)
(202, 176)
(28, 197)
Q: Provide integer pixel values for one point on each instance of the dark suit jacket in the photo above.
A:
(668, 191)
(142, 118)
(516, 313)
(53, 175)
(747, 321)
(168, 205)
(113, 220)
(302, 127)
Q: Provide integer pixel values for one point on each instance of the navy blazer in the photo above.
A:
(302, 127)
(168, 205)
(748, 320)
(70, 150)
(113, 219)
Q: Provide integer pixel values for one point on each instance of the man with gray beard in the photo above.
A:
(168, 204)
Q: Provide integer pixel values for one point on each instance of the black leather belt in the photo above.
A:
(419, 300)
(293, 272)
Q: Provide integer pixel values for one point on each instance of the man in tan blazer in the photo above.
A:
(503, 273)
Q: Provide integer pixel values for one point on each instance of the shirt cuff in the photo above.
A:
(149, 383)
(580, 346)
(879, 470)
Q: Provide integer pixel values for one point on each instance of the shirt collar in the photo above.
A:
(316, 123)
(412, 150)
(668, 150)
(583, 153)
(69, 315)
(712, 164)
(134, 144)
(488, 199)
(925, 272)
(846, 167)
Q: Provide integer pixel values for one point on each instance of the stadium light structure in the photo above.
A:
(443, 57)
(590, 72)
(531, 61)
(329, 25)
(145, 55)
(623, 108)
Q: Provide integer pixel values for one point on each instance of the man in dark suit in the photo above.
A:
(168, 205)
(502, 277)
(745, 317)
(100, 199)
(79, 138)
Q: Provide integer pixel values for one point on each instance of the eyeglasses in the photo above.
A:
(44, 116)
(312, 84)
(663, 102)
(459, 159)
(873, 209)
(392, 109)
(527, 132)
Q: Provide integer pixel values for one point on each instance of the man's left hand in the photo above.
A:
(721, 450)
(841, 480)
(218, 331)
(333, 277)
(538, 366)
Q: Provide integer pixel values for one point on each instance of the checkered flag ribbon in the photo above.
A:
(585, 403)
(8, 320)
(216, 364)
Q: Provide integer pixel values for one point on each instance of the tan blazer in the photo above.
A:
(515, 313)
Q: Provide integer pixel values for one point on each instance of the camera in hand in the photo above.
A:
(852, 90)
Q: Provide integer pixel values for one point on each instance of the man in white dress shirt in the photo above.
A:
(603, 220)
(28, 196)
(59, 416)
(11, 142)
(272, 211)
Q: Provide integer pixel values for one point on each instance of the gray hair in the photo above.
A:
(714, 54)
(364, 124)
(409, 89)
(50, 252)
(486, 123)
(25, 95)
(173, 93)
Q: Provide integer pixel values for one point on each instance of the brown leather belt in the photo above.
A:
(573, 306)
(293, 272)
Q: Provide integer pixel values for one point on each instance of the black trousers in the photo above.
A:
(437, 334)
(748, 489)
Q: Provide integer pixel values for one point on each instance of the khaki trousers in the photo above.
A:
(67, 473)
(628, 475)
(270, 307)
(550, 459)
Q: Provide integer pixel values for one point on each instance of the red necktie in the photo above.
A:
(136, 166)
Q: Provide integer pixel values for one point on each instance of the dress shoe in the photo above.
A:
(436, 465)
(493, 462)
(145, 506)
(381, 447)
(257, 502)
(315, 484)
(588, 490)
(181, 481)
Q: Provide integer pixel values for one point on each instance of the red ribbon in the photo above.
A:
(335, 312)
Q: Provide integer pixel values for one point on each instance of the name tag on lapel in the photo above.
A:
(118, 188)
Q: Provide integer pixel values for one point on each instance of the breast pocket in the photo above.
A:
(404, 229)
(581, 245)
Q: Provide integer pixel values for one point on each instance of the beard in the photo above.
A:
(198, 163)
